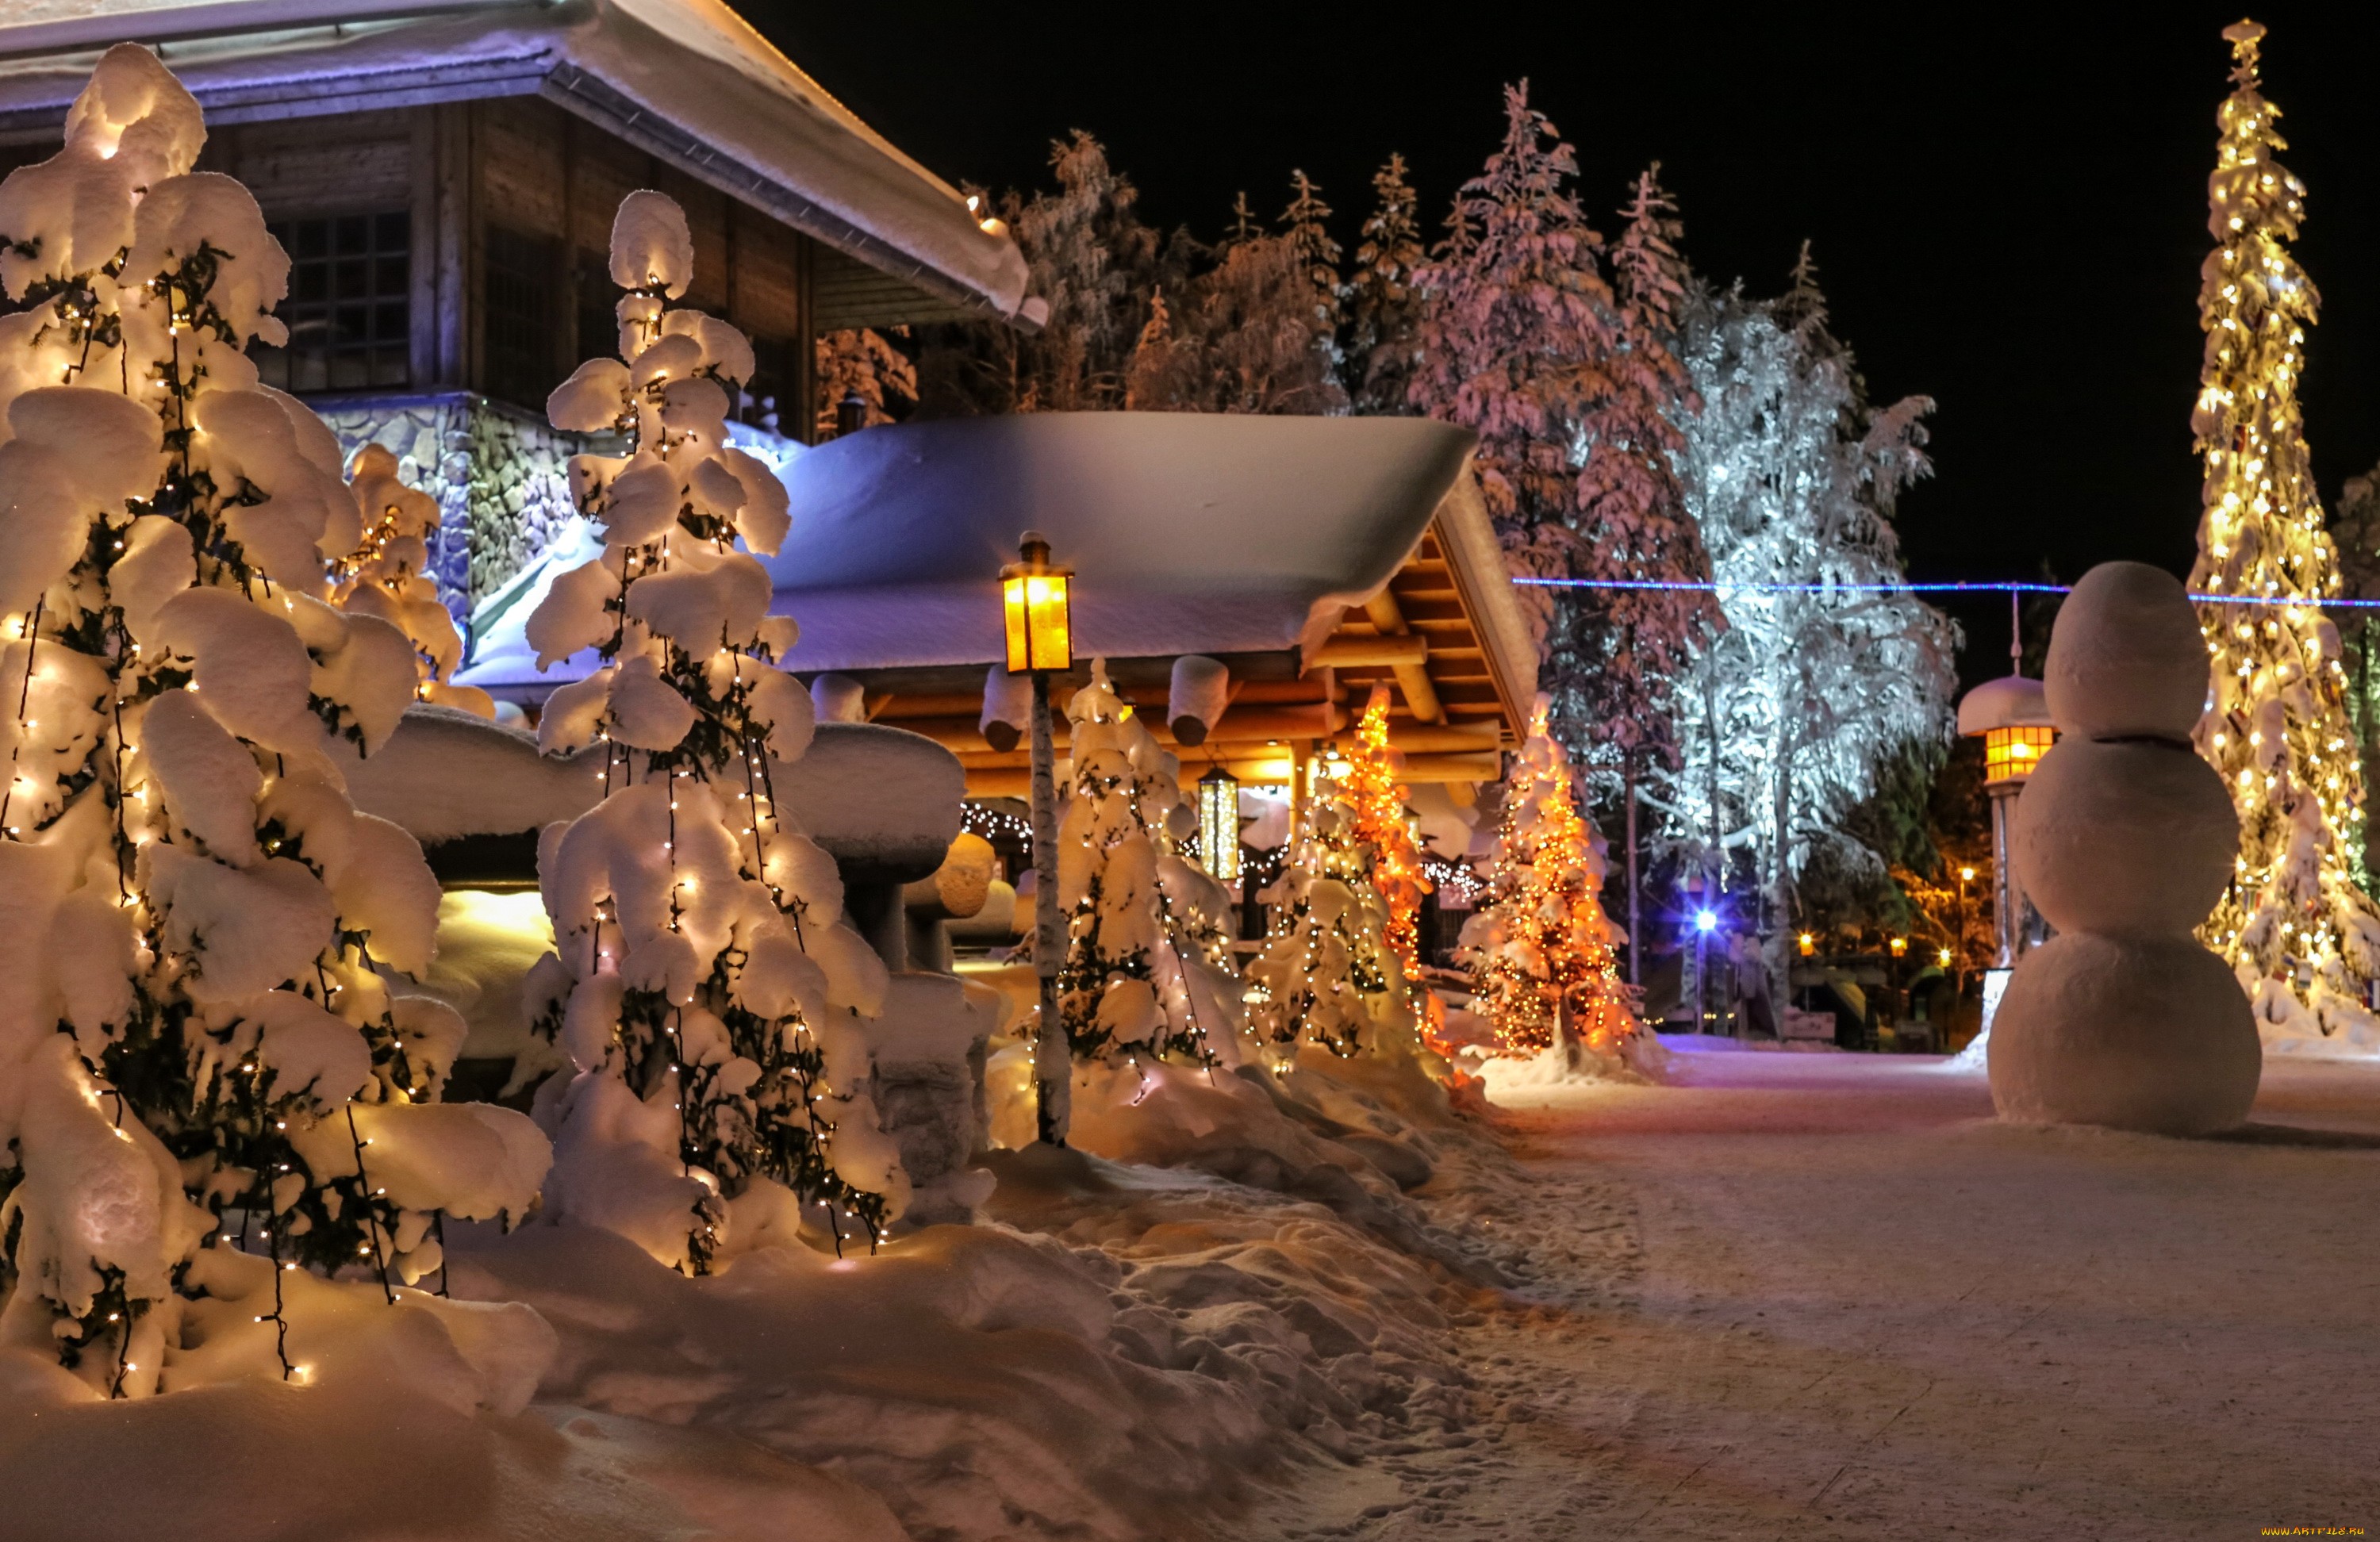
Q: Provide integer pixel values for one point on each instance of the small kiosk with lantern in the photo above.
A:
(2012, 716)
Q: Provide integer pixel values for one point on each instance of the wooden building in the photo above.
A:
(1311, 557)
(443, 174)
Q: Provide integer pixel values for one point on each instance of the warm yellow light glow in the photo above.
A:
(1900, 947)
(1036, 611)
(2279, 706)
(2011, 752)
(1807, 944)
(1219, 824)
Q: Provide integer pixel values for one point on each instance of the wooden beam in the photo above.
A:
(1413, 674)
(1485, 766)
(1016, 780)
(1240, 727)
(1345, 651)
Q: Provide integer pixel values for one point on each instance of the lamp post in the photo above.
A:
(2012, 716)
(1038, 624)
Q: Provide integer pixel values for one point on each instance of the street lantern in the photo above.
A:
(1036, 609)
(2012, 716)
(2012, 750)
(1807, 942)
(1219, 824)
(1900, 947)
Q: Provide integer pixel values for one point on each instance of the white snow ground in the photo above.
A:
(1791, 1296)
(1826, 1296)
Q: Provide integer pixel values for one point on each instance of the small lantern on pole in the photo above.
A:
(2012, 716)
(1037, 608)
(1219, 824)
(1038, 625)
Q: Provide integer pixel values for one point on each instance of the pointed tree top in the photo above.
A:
(2243, 35)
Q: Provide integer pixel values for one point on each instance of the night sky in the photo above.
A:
(2008, 207)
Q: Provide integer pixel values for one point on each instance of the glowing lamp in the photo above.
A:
(1943, 958)
(1807, 944)
(1900, 947)
(2011, 752)
(1035, 610)
(1966, 875)
(1219, 824)
(1705, 920)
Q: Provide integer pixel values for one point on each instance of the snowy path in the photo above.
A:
(1824, 1298)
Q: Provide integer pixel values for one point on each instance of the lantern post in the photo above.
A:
(1038, 624)
(2012, 716)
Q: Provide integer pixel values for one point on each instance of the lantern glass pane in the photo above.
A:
(1020, 653)
(2011, 753)
(1047, 621)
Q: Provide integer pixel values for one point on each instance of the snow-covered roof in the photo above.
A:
(1188, 532)
(686, 80)
(2003, 703)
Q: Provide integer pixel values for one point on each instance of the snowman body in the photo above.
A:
(2124, 840)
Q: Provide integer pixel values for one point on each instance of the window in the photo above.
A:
(519, 277)
(350, 311)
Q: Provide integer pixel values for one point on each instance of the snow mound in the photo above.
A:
(1640, 1059)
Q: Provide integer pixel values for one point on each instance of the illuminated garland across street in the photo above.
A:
(2328, 601)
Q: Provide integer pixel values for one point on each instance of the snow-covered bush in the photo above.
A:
(205, 1042)
(387, 575)
(1148, 970)
(704, 982)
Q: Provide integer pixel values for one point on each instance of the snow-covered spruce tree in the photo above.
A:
(1515, 315)
(387, 575)
(1254, 334)
(1383, 310)
(1617, 655)
(2279, 732)
(1568, 384)
(1143, 974)
(1327, 975)
(1540, 945)
(862, 362)
(1306, 225)
(207, 1068)
(1793, 715)
(704, 983)
(2355, 542)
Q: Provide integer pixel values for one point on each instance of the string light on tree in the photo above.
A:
(705, 984)
(1540, 949)
(2303, 937)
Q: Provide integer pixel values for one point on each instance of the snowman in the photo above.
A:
(2124, 840)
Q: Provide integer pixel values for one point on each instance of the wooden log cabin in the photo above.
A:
(1310, 557)
(443, 174)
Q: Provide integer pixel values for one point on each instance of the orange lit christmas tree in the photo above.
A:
(1370, 788)
(1540, 947)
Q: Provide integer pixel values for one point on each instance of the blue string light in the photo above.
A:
(1961, 587)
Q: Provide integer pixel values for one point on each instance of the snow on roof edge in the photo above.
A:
(668, 75)
(1475, 557)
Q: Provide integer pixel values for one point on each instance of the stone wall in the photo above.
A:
(500, 475)
(497, 472)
